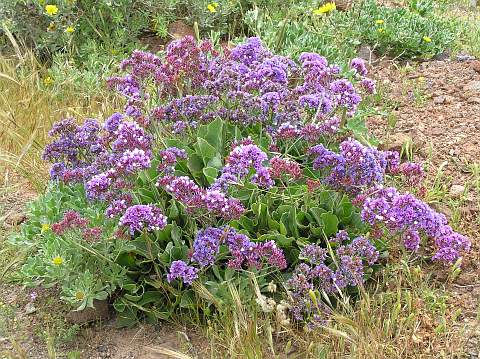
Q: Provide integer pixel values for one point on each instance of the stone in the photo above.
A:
(473, 86)
(457, 190)
(99, 312)
(476, 66)
(178, 30)
(473, 100)
(30, 308)
(396, 142)
(365, 52)
(15, 219)
(443, 99)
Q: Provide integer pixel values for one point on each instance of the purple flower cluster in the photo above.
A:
(355, 168)
(245, 85)
(319, 272)
(140, 217)
(405, 215)
(243, 251)
(180, 269)
(195, 198)
(73, 150)
(133, 161)
(240, 162)
(169, 158)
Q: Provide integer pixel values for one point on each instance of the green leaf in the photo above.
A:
(195, 164)
(317, 212)
(206, 150)
(188, 300)
(330, 223)
(210, 174)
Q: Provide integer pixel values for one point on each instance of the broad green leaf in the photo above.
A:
(330, 223)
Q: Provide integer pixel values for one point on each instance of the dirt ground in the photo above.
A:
(435, 104)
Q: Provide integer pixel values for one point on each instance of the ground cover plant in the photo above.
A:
(230, 175)
(412, 31)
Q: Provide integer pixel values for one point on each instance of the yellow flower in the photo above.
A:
(381, 30)
(329, 6)
(212, 7)
(379, 22)
(51, 10)
(57, 260)
(70, 29)
(47, 81)
(79, 295)
(45, 226)
(427, 39)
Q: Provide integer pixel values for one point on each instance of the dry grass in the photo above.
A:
(29, 107)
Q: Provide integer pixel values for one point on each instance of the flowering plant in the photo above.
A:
(225, 164)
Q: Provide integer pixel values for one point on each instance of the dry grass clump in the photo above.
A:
(29, 104)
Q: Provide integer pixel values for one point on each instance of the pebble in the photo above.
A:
(474, 100)
(473, 86)
(457, 190)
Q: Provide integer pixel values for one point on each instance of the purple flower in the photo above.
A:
(130, 136)
(140, 217)
(407, 215)
(411, 240)
(354, 168)
(240, 161)
(340, 237)
(133, 161)
(179, 269)
(118, 206)
(313, 253)
(368, 85)
(358, 65)
(113, 122)
(206, 245)
(98, 186)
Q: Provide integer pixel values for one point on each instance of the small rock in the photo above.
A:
(30, 308)
(465, 57)
(473, 86)
(16, 218)
(178, 30)
(473, 100)
(365, 52)
(397, 141)
(476, 66)
(100, 312)
(445, 55)
(457, 190)
(443, 99)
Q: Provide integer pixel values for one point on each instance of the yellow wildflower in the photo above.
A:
(212, 7)
(427, 39)
(45, 227)
(47, 81)
(57, 260)
(79, 295)
(70, 29)
(380, 22)
(329, 6)
(381, 30)
(51, 10)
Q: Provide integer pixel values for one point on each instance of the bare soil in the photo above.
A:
(437, 107)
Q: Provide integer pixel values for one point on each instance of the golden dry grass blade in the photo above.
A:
(168, 352)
